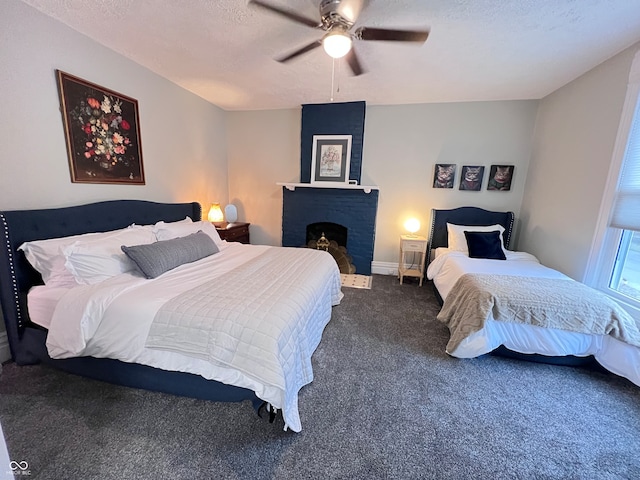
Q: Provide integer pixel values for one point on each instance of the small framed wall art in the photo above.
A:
(500, 177)
(471, 178)
(444, 175)
(330, 159)
(102, 133)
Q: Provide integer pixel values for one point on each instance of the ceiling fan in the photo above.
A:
(337, 21)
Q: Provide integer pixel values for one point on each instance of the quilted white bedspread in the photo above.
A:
(270, 338)
(113, 319)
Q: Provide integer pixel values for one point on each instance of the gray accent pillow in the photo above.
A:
(157, 258)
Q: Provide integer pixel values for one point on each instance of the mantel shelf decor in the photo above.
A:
(330, 159)
(345, 186)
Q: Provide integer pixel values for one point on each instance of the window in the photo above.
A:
(625, 275)
(614, 264)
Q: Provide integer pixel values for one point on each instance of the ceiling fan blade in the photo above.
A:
(366, 33)
(291, 15)
(354, 63)
(300, 51)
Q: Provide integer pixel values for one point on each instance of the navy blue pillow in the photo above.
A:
(485, 245)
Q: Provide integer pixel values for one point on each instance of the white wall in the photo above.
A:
(575, 134)
(401, 146)
(183, 137)
(403, 143)
(264, 148)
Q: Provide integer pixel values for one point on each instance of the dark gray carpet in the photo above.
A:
(386, 402)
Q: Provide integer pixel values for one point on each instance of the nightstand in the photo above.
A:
(234, 232)
(417, 246)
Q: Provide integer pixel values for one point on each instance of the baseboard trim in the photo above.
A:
(5, 351)
(384, 268)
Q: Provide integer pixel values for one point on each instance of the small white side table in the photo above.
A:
(417, 246)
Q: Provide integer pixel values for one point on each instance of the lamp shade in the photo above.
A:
(231, 213)
(412, 225)
(215, 213)
(337, 43)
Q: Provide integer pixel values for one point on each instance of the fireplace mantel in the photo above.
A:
(343, 186)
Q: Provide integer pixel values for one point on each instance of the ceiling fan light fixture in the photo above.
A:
(337, 43)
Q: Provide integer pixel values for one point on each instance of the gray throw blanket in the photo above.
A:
(544, 302)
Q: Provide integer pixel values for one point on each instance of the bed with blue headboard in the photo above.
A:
(457, 272)
(17, 277)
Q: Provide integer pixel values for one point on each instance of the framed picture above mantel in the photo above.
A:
(102, 133)
(330, 159)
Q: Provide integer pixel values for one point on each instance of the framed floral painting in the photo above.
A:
(102, 133)
(330, 159)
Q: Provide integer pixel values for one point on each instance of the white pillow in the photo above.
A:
(458, 242)
(178, 222)
(94, 261)
(167, 231)
(438, 252)
(47, 257)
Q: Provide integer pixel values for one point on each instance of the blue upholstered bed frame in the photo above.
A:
(479, 217)
(27, 340)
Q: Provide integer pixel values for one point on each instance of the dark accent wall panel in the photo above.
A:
(351, 208)
(332, 119)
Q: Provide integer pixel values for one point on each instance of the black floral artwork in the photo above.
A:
(102, 133)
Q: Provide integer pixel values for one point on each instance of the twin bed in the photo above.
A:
(498, 300)
(178, 310)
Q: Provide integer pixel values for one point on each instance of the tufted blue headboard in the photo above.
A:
(465, 216)
(19, 226)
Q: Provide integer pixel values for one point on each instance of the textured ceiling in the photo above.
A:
(223, 50)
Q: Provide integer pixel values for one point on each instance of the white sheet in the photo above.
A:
(614, 355)
(42, 301)
(108, 320)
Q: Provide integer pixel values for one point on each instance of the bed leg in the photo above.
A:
(267, 407)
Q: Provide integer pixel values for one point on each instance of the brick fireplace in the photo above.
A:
(351, 208)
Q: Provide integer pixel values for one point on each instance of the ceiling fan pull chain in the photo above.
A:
(333, 75)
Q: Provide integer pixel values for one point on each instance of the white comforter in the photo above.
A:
(448, 266)
(112, 319)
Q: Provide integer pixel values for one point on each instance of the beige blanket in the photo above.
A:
(543, 302)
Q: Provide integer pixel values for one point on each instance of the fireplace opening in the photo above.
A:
(332, 231)
(331, 237)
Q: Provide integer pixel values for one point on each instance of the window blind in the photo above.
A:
(626, 208)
